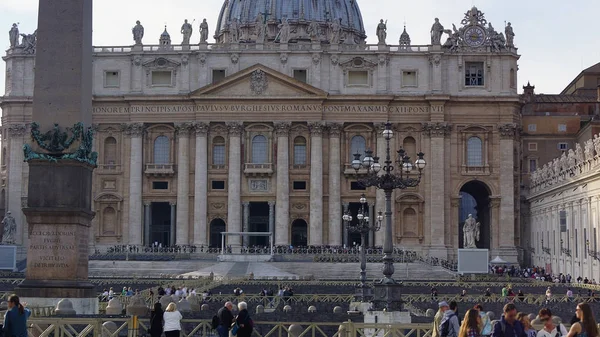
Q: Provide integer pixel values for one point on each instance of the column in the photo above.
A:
(452, 237)
(507, 204)
(246, 219)
(380, 196)
(495, 222)
(234, 181)
(282, 214)
(345, 227)
(316, 184)
(135, 132)
(271, 219)
(335, 201)
(437, 132)
(147, 220)
(183, 183)
(200, 185)
(172, 228)
(15, 178)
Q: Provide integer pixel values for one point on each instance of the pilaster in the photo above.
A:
(135, 132)
(200, 185)
(234, 183)
(183, 183)
(507, 206)
(335, 202)
(282, 213)
(15, 178)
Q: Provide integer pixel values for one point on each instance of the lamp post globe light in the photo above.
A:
(363, 226)
(388, 178)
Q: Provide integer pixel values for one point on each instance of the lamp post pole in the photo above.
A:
(363, 226)
(387, 290)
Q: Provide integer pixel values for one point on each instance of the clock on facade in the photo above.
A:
(474, 36)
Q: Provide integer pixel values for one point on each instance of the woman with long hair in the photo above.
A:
(15, 319)
(156, 321)
(471, 325)
(586, 327)
(524, 319)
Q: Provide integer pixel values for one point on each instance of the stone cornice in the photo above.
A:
(508, 130)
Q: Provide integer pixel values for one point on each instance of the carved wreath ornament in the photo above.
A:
(258, 82)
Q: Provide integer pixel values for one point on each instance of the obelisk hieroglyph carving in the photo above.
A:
(61, 159)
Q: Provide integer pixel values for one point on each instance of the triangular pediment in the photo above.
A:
(258, 81)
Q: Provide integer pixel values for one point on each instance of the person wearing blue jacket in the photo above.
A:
(15, 320)
(508, 325)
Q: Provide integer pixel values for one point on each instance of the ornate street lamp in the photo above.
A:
(387, 290)
(363, 226)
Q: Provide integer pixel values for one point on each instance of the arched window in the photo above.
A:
(260, 150)
(474, 151)
(218, 151)
(110, 151)
(358, 144)
(299, 150)
(162, 150)
(410, 146)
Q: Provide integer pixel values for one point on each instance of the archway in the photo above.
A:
(475, 200)
(216, 227)
(299, 233)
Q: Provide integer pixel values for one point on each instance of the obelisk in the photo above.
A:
(60, 159)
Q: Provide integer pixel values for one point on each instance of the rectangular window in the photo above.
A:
(356, 77)
(356, 186)
(300, 154)
(111, 79)
(532, 146)
(299, 185)
(474, 74)
(563, 146)
(562, 127)
(409, 78)
(563, 221)
(532, 165)
(532, 127)
(161, 78)
(218, 185)
(218, 75)
(160, 185)
(301, 75)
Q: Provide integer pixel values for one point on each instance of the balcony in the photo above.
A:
(475, 170)
(109, 168)
(160, 169)
(258, 169)
(218, 167)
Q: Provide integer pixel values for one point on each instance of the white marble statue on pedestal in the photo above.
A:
(10, 228)
(471, 232)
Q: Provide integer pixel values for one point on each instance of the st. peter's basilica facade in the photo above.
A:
(256, 131)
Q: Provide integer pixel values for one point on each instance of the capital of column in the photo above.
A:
(147, 203)
(436, 129)
(335, 129)
(495, 201)
(316, 128)
(508, 131)
(271, 204)
(235, 128)
(17, 130)
(455, 201)
(201, 128)
(282, 129)
(380, 127)
(183, 129)
(133, 129)
(172, 203)
(246, 204)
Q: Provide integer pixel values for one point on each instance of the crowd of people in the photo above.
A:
(476, 323)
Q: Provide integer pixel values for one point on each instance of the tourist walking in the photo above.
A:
(508, 325)
(243, 321)
(15, 319)
(172, 319)
(437, 320)
(450, 325)
(550, 329)
(586, 327)
(470, 325)
(225, 319)
(524, 319)
(156, 320)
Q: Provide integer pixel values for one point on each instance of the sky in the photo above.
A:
(555, 38)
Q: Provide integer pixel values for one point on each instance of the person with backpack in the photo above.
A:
(437, 320)
(550, 329)
(508, 325)
(450, 326)
(223, 320)
(586, 327)
(243, 321)
(15, 319)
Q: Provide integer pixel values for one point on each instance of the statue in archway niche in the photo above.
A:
(471, 232)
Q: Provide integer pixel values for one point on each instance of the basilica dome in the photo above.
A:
(244, 16)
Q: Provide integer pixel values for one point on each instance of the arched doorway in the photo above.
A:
(216, 227)
(299, 233)
(475, 200)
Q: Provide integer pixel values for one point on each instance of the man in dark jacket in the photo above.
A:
(225, 319)
(508, 325)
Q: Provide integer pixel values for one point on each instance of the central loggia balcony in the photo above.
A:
(253, 169)
(153, 169)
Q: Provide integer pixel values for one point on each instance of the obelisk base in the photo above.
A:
(387, 296)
